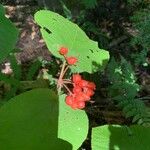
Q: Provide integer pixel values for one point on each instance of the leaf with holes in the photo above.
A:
(57, 31)
(73, 124)
(8, 35)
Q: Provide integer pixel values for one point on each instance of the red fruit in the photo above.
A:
(69, 100)
(91, 85)
(76, 78)
(71, 60)
(83, 83)
(80, 96)
(63, 51)
(74, 105)
(80, 105)
(88, 92)
(86, 97)
(77, 89)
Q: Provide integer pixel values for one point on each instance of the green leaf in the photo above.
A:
(67, 12)
(131, 113)
(8, 35)
(135, 118)
(15, 67)
(10, 93)
(9, 80)
(128, 107)
(117, 137)
(33, 69)
(30, 122)
(89, 3)
(73, 124)
(58, 31)
(2, 10)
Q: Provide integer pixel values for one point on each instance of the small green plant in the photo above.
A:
(141, 22)
(124, 91)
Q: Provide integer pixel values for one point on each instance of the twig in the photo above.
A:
(68, 89)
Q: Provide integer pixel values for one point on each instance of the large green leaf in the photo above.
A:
(35, 120)
(73, 124)
(8, 35)
(117, 137)
(58, 31)
(30, 122)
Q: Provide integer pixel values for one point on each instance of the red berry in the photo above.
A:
(69, 100)
(80, 96)
(76, 78)
(80, 105)
(82, 92)
(88, 92)
(91, 85)
(63, 51)
(77, 89)
(86, 97)
(74, 105)
(71, 60)
(83, 83)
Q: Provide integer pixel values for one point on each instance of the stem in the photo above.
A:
(62, 70)
(60, 76)
(67, 82)
(62, 82)
(68, 89)
(65, 71)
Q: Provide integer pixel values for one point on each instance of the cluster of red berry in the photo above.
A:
(70, 60)
(81, 92)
